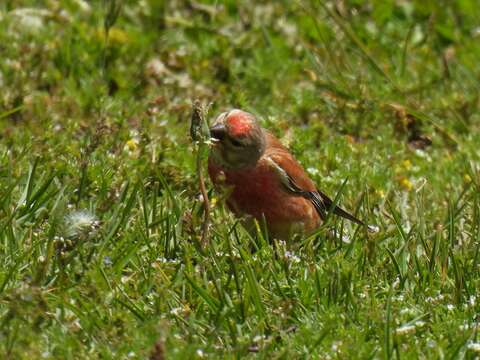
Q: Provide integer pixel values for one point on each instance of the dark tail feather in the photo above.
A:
(340, 212)
(337, 210)
(323, 204)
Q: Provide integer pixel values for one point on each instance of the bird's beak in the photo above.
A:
(218, 132)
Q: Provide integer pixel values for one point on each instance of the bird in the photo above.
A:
(263, 181)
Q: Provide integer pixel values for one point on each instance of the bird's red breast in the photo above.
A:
(257, 191)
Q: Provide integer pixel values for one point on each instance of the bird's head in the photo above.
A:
(238, 140)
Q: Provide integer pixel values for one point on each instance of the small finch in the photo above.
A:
(264, 179)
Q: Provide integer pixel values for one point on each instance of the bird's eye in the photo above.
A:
(236, 143)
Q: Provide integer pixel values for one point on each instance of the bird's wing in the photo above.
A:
(297, 182)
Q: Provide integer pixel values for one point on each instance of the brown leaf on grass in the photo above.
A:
(447, 56)
(158, 351)
(208, 10)
(341, 9)
(187, 223)
(410, 126)
(156, 68)
(420, 142)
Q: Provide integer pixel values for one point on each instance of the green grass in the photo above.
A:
(99, 211)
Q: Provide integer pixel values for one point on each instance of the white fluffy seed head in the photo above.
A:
(80, 224)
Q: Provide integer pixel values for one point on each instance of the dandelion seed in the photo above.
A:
(431, 343)
(400, 297)
(30, 20)
(257, 338)
(474, 346)
(405, 329)
(336, 346)
(292, 257)
(167, 261)
(107, 261)
(156, 68)
(83, 6)
(76, 325)
(200, 353)
(58, 239)
(371, 28)
(466, 326)
(346, 239)
(176, 311)
(422, 154)
(81, 224)
(313, 171)
(288, 28)
(407, 311)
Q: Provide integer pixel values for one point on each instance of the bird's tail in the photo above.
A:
(337, 210)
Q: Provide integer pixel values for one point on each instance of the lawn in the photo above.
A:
(100, 213)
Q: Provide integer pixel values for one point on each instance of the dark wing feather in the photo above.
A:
(321, 202)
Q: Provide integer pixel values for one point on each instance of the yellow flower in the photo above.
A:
(118, 36)
(407, 164)
(406, 184)
(132, 145)
(213, 201)
(115, 35)
(467, 178)
(381, 193)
